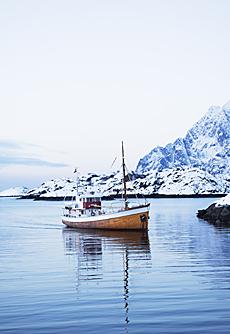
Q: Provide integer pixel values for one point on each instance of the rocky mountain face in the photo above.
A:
(197, 164)
(206, 146)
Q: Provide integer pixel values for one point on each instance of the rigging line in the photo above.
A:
(135, 192)
(121, 182)
(129, 179)
(72, 197)
(123, 172)
(113, 162)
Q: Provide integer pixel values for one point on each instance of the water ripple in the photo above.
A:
(173, 279)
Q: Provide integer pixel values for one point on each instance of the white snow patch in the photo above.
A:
(223, 201)
(14, 192)
(226, 107)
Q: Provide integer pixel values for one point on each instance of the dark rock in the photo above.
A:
(218, 215)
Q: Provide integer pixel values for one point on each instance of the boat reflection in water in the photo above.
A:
(109, 256)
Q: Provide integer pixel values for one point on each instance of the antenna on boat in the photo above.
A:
(124, 180)
(77, 178)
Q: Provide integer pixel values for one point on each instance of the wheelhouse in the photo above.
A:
(91, 202)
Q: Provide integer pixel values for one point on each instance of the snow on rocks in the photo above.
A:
(217, 213)
(223, 201)
(177, 181)
(14, 192)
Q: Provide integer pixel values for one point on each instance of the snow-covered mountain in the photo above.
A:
(181, 181)
(206, 146)
(177, 181)
(199, 163)
(105, 185)
(14, 192)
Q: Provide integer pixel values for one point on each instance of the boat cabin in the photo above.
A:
(90, 202)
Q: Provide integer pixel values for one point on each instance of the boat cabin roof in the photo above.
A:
(90, 196)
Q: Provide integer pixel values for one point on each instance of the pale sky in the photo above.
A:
(77, 77)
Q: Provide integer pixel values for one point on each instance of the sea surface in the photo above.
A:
(173, 279)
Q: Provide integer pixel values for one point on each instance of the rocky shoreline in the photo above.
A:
(217, 215)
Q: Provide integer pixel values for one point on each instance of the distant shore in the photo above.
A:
(109, 198)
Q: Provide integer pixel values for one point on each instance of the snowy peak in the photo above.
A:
(226, 107)
(205, 146)
(160, 158)
(214, 124)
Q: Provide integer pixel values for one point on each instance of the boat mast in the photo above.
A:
(124, 181)
(77, 180)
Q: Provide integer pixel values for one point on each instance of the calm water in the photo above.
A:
(175, 279)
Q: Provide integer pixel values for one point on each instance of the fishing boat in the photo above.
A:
(87, 212)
